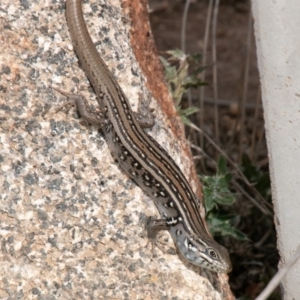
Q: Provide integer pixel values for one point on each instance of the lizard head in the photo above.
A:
(204, 252)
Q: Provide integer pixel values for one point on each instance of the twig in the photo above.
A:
(225, 103)
(204, 56)
(251, 199)
(183, 40)
(279, 276)
(183, 26)
(255, 125)
(245, 85)
(215, 71)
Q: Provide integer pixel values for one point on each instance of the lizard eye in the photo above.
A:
(212, 253)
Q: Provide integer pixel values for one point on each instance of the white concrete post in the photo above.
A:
(277, 33)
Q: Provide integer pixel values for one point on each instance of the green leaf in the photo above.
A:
(186, 121)
(222, 226)
(164, 62)
(261, 179)
(177, 53)
(248, 169)
(188, 111)
(171, 73)
(222, 169)
(196, 57)
(184, 113)
(192, 81)
(199, 70)
(216, 191)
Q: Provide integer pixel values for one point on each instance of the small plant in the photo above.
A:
(179, 81)
(216, 192)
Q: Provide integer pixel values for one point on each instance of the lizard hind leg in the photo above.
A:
(144, 115)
